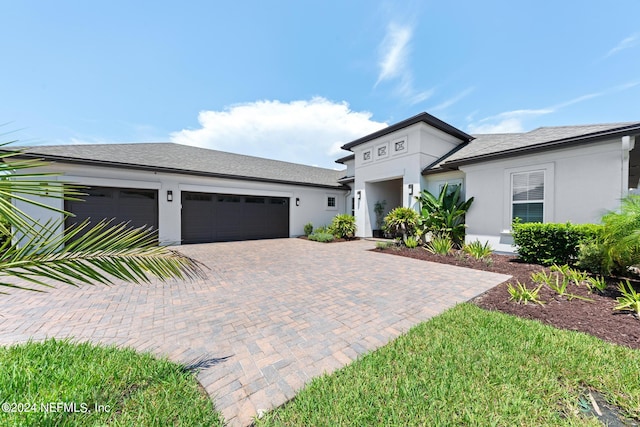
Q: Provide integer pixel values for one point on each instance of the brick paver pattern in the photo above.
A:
(270, 316)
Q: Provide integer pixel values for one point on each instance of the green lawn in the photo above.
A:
(107, 385)
(469, 366)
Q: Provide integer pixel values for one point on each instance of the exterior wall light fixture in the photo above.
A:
(359, 194)
(169, 196)
(297, 201)
(411, 189)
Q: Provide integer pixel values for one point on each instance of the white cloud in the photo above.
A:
(626, 43)
(449, 102)
(512, 121)
(394, 64)
(506, 122)
(306, 131)
(394, 51)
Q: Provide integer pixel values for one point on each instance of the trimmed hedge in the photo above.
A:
(552, 243)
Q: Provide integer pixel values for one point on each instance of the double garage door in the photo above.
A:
(206, 217)
(210, 217)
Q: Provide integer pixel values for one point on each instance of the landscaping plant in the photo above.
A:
(598, 283)
(621, 236)
(444, 214)
(478, 250)
(343, 226)
(521, 294)
(552, 243)
(321, 237)
(378, 208)
(402, 222)
(308, 229)
(411, 242)
(82, 254)
(630, 299)
(440, 244)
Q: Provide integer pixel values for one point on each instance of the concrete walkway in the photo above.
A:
(272, 314)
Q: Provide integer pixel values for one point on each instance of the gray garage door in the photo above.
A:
(136, 206)
(224, 217)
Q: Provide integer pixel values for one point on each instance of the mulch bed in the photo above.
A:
(596, 318)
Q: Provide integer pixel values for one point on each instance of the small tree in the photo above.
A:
(378, 208)
(402, 221)
(444, 214)
(343, 226)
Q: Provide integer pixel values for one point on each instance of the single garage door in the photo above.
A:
(137, 206)
(210, 217)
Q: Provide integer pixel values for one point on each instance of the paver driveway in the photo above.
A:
(271, 315)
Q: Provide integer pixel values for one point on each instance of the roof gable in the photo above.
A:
(422, 117)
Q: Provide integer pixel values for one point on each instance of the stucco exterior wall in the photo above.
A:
(419, 144)
(581, 184)
(312, 201)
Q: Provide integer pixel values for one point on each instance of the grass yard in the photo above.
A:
(470, 366)
(107, 385)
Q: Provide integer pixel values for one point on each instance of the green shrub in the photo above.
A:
(621, 236)
(478, 250)
(343, 226)
(630, 299)
(321, 237)
(521, 294)
(321, 229)
(308, 229)
(401, 222)
(440, 244)
(591, 257)
(444, 214)
(384, 245)
(411, 242)
(552, 243)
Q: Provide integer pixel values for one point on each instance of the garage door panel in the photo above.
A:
(234, 217)
(138, 207)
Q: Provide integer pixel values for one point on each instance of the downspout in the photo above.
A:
(627, 145)
(347, 208)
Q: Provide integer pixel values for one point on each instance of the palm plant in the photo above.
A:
(444, 214)
(34, 252)
(621, 236)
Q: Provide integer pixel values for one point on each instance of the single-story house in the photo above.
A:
(550, 174)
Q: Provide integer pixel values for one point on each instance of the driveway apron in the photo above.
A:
(271, 315)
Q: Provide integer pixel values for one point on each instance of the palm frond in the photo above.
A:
(97, 254)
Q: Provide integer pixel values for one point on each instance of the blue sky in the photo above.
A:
(294, 80)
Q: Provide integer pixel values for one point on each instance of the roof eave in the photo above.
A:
(422, 117)
(103, 163)
(550, 145)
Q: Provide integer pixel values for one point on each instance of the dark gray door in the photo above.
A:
(225, 217)
(136, 206)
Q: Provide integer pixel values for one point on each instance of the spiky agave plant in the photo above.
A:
(35, 252)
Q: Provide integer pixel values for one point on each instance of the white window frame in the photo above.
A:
(526, 202)
(548, 204)
(335, 202)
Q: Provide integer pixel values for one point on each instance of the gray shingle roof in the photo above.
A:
(489, 145)
(179, 158)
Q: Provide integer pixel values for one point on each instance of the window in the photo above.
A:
(527, 196)
(331, 202)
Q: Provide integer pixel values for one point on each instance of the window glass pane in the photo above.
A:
(255, 200)
(331, 202)
(527, 186)
(202, 197)
(228, 199)
(138, 194)
(528, 212)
